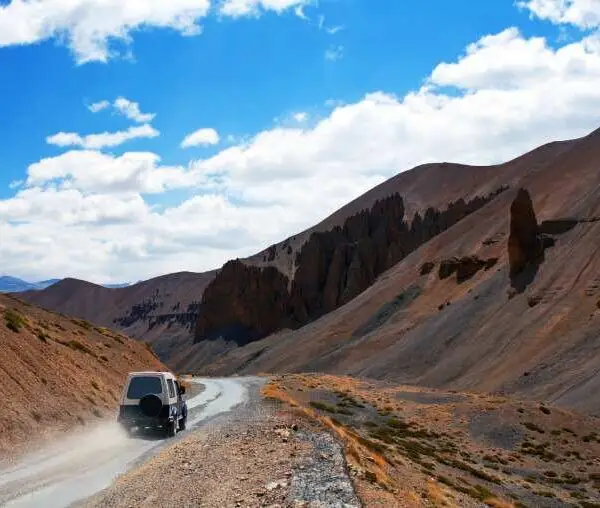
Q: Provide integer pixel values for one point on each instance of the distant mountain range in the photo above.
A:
(10, 284)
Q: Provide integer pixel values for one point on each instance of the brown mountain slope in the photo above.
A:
(57, 373)
(430, 185)
(331, 267)
(161, 311)
(540, 339)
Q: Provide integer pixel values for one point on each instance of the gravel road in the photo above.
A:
(89, 461)
(257, 455)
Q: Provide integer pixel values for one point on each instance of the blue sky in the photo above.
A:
(240, 74)
(279, 82)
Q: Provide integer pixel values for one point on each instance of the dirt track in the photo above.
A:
(86, 462)
(253, 456)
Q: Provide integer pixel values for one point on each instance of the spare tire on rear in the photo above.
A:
(150, 405)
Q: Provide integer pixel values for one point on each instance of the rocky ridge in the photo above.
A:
(246, 303)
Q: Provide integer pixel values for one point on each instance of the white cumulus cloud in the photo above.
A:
(104, 139)
(99, 106)
(582, 13)
(94, 172)
(201, 137)
(511, 94)
(300, 117)
(132, 111)
(89, 26)
(238, 8)
(125, 107)
(85, 213)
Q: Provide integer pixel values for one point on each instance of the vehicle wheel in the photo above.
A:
(182, 423)
(172, 428)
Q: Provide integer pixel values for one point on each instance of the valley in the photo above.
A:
(414, 282)
(299, 254)
(443, 327)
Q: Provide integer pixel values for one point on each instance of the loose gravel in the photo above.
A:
(322, 479)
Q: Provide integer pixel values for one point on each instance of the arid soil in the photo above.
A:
(260, 455)
(322, 440)
(58, 373)
(408, 446)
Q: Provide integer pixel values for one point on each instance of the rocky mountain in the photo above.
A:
(245, 303)
(57, 373)
(506, 300)
(447, 275)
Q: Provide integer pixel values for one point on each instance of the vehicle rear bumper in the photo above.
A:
(131, 416)
(145, 422)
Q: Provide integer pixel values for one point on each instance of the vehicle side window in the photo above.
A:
(171, 388)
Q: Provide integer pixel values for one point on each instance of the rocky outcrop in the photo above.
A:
(427, 268)
(151, 312)
(465, 267)
(525, 245)
(245, 303)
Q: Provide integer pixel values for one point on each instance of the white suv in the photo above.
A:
(153, 400)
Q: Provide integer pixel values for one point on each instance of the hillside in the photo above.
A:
(57, 373)
(437, 448)
(161, 311)
(536, 335)
(315, 272)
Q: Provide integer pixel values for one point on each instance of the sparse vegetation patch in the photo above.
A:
(14, 320)
(412, 438)
(83, 324)
(42, 335)
(75, 345)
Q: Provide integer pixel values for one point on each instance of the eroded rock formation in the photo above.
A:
(525, 245)
(465, 267)
(246, 303)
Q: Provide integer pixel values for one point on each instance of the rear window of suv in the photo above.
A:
(144, 385)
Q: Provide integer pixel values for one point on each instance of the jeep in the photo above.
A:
(153, 400)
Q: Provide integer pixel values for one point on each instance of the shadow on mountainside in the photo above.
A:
(521, 281)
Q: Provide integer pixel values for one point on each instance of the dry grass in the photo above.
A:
(440, 496)
(357, 453)
(14, 320)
